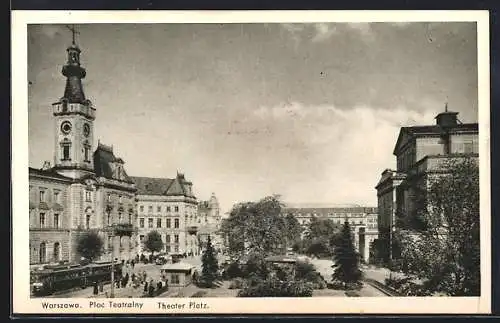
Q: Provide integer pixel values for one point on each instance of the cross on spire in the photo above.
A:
(73, 31)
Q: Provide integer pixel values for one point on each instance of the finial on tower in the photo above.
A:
(446, 107)
(74, 32)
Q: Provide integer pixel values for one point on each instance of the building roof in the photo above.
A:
(417, 131)
(151, 185)
(178, 266)
(162, 186)
(104, 160)
(48, 173)
(358, 209)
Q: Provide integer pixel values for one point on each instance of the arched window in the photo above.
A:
(43, 253)
(66, 149)
(57, 251)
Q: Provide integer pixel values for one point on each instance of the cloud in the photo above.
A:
(346, 150)
(323, 32)
(364, 29)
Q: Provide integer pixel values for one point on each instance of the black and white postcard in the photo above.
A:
(251, 162)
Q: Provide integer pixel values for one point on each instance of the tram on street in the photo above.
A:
(59, 278)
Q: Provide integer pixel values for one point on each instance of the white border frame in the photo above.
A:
(22, 304)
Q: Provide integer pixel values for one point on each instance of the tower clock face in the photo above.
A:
(66, 127)
(86, 130)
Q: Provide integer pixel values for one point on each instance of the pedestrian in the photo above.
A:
(133, 277)
(159, 285)
(101, 287)
(151, 289)
(96, 289)
(145, 287)
(132, 263)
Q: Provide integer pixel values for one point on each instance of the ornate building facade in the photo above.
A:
(363, 221)
(209, 219)
(85, 189)
(422, 153)
(168, 206)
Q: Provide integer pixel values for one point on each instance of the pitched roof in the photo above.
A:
(151, 185)
(162, 186)
(103, 159)
(48, 173)
(323, 210)
(433, 130)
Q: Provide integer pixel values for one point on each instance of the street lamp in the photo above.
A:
(112, 294)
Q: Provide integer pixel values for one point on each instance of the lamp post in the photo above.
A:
(112, 294)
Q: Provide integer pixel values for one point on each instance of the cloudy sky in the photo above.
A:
(308, 111)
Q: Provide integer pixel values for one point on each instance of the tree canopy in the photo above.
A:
(346, 259)
(446, 255)
(90, 245)
(258, 227)
(153, 242)
(209, 264)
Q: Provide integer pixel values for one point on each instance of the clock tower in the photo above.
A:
(74, 121)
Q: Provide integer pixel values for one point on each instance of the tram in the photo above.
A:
(53, 279)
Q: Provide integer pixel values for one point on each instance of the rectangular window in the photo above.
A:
(175, 278)
(150, 208)
(150, 223)
(56, 221)
(176, 208)
(109, 219)
(56, 196)
(42, 196)
(158, 209)
(158, 223)
(167, 248)
(42, 220)
(110, 242)
(120, 199)
(168, 209)
(176, 238)
(176, 249)
(141, 208)
(109, 197)
(176, 223)
(168, 223)
(167, 238)
(88, 196)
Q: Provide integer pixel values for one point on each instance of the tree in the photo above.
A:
(90, 245)
(153, 242)
(320, 236)
(346, 259)
(256, 227)
(210, 265)
(293, 230)
(446, 254)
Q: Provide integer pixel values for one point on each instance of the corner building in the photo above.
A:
(86, 189)
(168, 206)
(422, 153)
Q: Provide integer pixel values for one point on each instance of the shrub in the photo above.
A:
(237, 283)
(273, 287)
(199, 293)
(233, 271)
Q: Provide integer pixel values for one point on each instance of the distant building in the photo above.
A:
(85, 190)
(363, 221)
(421, 153)
(168, 206)
(209, 220)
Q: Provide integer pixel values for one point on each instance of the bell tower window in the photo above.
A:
(66, 150)
(86, 148)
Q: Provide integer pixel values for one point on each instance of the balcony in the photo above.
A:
(123, 229)
(192, 230)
